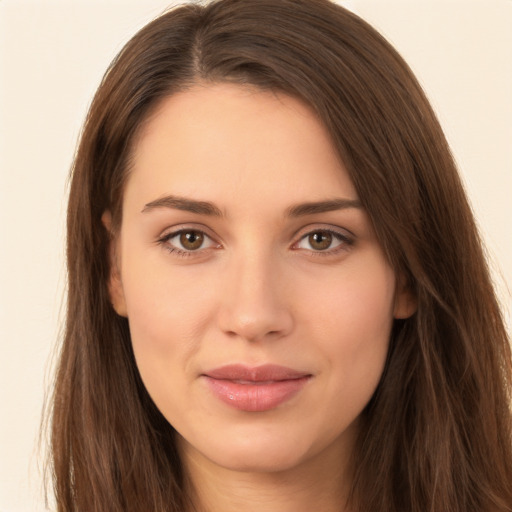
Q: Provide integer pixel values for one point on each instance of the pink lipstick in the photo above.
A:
(255, 389)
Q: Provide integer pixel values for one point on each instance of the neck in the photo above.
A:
(319, 483)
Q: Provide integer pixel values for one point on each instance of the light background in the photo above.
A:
(52, 57)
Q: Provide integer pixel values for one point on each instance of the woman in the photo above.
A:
(277, 294)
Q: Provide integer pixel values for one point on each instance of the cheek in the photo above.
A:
(358, 302)
(351, 321)
(167, 312)
(161, 301)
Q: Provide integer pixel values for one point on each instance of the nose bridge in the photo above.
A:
(255, 305)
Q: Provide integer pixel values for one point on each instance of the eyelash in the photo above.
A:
(345, 242)
(181, 253)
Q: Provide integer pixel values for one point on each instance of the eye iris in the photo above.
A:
(191, 240)
(320, 240)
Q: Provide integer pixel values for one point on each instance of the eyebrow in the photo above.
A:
(207, 208)
(312, 208)
(182, 203)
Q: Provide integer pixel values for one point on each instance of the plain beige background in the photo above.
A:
(52, 56)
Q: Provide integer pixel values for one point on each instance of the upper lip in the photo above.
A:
(263, 373)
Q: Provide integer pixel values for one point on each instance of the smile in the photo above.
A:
(255, 389)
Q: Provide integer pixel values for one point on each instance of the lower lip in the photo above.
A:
(256, 397)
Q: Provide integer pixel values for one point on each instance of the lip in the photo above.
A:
(255, 389)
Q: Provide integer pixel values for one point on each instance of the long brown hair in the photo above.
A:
(437, 434)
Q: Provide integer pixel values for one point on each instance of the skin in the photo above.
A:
(258, 289)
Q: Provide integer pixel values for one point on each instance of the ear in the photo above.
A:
(115, 285)
(406, 303)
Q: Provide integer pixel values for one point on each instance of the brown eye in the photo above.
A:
(324, 241)
(188, 242)
(191, 240)
(320, 240)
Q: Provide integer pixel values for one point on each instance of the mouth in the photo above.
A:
(255, 389)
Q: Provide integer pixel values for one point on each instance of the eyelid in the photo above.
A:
(345, 236)
(192, 226)
(173, 231)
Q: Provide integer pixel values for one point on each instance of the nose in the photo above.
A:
(255, 303)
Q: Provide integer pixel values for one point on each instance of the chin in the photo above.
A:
(254, 452)
(255, 459)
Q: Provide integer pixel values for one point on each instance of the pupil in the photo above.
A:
(320, 240)
(191, 240)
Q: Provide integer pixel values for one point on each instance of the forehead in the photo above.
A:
(224, 141)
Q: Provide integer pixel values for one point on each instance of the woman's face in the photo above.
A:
(259, 301)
